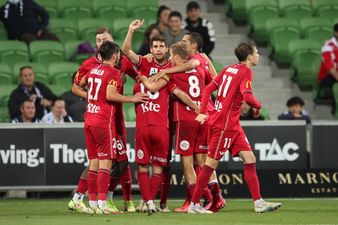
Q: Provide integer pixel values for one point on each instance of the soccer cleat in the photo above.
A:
(141, 206)
(151, 207)
(129, 206)
(267, 207)
(218, 204)
(71, 205)
(165, 209)
(207, 205)
(78, 206)
(197, 208)
(112, 206)
(184, 208)
(105, 210)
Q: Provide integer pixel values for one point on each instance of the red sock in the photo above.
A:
(155, 183)
(202, 182)
(144, 182)
(215, 190)
(114, 181)
(126, 182)
(251, 179)
(197, 170)
(190, 189)
(165, 185)
(92, 187)
(82, 186)
(187, 196)
(103, 178)
(207, 194)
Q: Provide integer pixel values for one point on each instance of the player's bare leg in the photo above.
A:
(77, 201)
(251, 179)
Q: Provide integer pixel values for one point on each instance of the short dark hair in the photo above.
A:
(175, 14)
(148, 32)
(160, 10)
(178, 49)
(193, 5)
(159, 38)
(102, 30)
(243, 50)
(335, 27)
(295, 101)
(57, 100)
(24, 67)
(196, 38)
(107, 49)
(27, 100)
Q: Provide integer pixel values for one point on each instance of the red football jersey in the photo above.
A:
(191, 82)
(100, 112)
(232, 82)
(155, 110)
(204, 65)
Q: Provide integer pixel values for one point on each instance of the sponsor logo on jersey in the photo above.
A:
(248, 85)
(162, 160)
(274, 152)
(150, 107)
(140, 154)
(153, 70)
(92, 108)
(184, 145)
(203, 147)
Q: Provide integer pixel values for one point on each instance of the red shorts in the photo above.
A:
(221, 141)
(99, 143)
(151, 144)
(119, 145)
(191, 138)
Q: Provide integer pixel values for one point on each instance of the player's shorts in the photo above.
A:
(98, 143)
(151, 144)
(221, 141)
(119, 145)
(191, 138)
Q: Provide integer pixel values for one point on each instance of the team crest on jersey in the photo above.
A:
(140, 154)
(184, 145)
(153, 71)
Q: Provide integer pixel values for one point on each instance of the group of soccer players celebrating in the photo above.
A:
(172, 97)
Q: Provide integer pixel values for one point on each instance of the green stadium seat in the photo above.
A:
(335, 96)
(13, 51)
(75, 9)
(259, 12)
(3, 32)
(133, 4)
(146, 13)
(319, 29)
(265, 113)
(65, 29)
(70, 49)
(129, 111)
(59, 89)
(110, 9)
(5, 92)
(281, 31)
(325, 8)
(47, 51)
(61, 73)
(295, 9)
(4, 116)
(121, 26)
(238, 10)
(87, 27)
(128, 88)
(6, 74)
(40, 71)
(305, 61)
(51, 7)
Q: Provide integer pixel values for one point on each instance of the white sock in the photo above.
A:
(110, 195)
(78, 197)
(102, 203)
(213, 181)
(93, 204)
(259, 202)
(150, 202)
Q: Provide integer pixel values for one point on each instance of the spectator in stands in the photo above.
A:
(175, 32)
(194, 23)
(75, 105)
(295, 110)
(25, 20)
(247, 113)
(328, 72)
(151, 31)
(58, 113)
(39, 93)
(27, 109)
(162, 21)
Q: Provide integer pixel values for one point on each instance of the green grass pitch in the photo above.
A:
(298, 211)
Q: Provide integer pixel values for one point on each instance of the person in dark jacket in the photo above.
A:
(25, 20)
(295, 112)
(37, 92)
(194, 23)
(27, 115)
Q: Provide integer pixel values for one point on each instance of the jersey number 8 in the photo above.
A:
(194, 89)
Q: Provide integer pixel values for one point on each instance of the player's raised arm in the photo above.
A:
(153, 86)
(126, 47)
(113, 95)
(186, 100)
(211, 67)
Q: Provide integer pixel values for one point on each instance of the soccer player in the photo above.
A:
(103, 84)
(234, 85)
(103, 34)
(152, 116)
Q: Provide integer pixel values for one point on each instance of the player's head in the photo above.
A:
(295, 105)
(110, 53)
(247, 53)
(58, 107)
(27, 109)
(175, 21)
(102, 34)
(193, 11)
(27, 76)
(159, 48)
(192, 42)
(335, 31)
(178, 54)
(163, 15)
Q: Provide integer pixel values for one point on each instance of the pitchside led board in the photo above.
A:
(55, 155)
